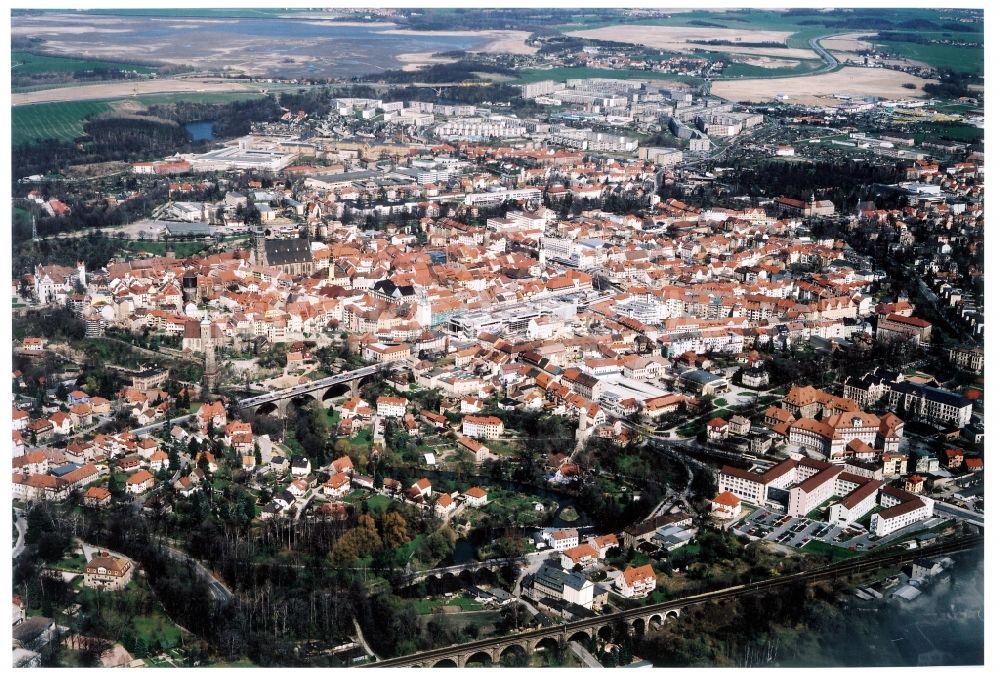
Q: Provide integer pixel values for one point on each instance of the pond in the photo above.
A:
(200, 130)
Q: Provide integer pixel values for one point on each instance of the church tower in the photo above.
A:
(208, 346)
(259, 250)
(81, 274)
(424, 315)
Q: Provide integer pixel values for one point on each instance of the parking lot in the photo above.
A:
(774, 526)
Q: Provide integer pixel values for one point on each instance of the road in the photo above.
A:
(143, 430)
(831, 62)
(951, 511)
(22, 529)
(312, 386)
(218, 589)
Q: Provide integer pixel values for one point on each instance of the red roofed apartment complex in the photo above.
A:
(489, 428)
(898, 327)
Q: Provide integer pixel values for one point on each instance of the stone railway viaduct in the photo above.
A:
(493, 650)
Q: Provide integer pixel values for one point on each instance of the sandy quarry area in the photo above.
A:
(767, 62)
(819, 90)
(676, 38)
(115, 89)
(509, 42)
(848, 42)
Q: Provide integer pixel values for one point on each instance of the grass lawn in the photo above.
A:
(407, 550)
(428, 606)
(76, 562)
(503, 447)
(819, 513)
(156, 629)
(331, 419)
(379, 503)
(361, 438)
(355, 495)
(692, 549)
(359, 443)
(820, 548)
(719, 402)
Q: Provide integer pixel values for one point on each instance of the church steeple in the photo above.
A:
(259, 248)
(424, 314)
(208, 346)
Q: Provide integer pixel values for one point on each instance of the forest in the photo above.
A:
(232, 119)
(844, 183)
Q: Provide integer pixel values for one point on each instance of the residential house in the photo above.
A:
(108, 573)
(475, 496)
(636, 582)
(139, 482)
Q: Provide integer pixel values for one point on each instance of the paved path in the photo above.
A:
(589, 660)
(361, 639)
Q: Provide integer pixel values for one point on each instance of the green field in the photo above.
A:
(961, 59)
(737, 70)
(196, 97)
(26, 63)
(62, 121)
(947, 130)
